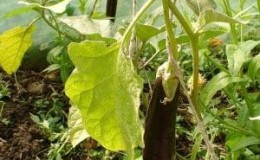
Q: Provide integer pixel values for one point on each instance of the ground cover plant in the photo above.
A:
(161, 80)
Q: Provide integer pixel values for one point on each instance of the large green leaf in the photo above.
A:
(238, 54)
(13, 44)
(217, 83)
(77, 132)
(106, 89)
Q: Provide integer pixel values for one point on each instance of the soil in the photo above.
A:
(20, 137)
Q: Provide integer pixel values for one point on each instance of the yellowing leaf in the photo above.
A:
(107, 90)
(13, 45)
(77, 132)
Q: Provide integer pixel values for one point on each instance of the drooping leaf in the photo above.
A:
(56, 8)
(217, 83)
(201, 5)
(13, 45)
(75, 124)
(145, 32)
(106, 89)
(209, 16)
(238, 54)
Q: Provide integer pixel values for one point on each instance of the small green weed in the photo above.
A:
(52, 122)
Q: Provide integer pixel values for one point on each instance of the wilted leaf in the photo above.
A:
(209, 16)
(75, 124)
(237, 55)
(13, 44)
(106, 89)
(201, 5)
(217, 83)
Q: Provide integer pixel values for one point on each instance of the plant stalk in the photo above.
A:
(170, 33)
(194, 39)
(232, 26)
(55, 28)
(181, 19)
(200, 124)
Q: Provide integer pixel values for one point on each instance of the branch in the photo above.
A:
(195, 52)
(125, 38)
(181, 19)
